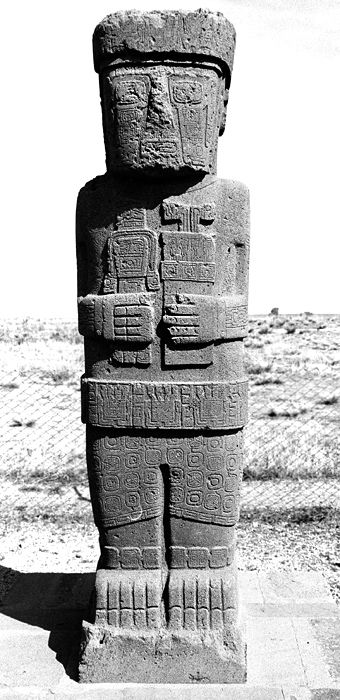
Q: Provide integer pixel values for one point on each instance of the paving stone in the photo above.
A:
(28, 660)
(25, 621)
(250, 591)
(294, 587)
(293, 693)
(288, 659)
(273, 653)
(313, 652)
(303, 609)
(327, 634)
(129, 691)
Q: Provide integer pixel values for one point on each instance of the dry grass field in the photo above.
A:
(291, 494)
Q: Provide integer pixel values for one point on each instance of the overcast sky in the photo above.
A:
(282, 140)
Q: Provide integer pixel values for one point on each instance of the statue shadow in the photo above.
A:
(55, 602)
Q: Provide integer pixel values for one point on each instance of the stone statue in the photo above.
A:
(162, 248)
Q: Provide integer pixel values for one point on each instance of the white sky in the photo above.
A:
(282, 140)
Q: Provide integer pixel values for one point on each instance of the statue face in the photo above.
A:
(161, 118)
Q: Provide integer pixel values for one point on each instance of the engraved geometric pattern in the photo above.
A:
(203, 473)
(212, 406)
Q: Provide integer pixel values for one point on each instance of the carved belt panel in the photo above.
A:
(146, 405)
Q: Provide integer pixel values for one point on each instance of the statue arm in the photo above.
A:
(199, 319)
(127, 318)
(81, 250)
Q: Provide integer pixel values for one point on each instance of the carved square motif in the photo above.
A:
(175, 455)
(232, 462)
(195, 479)
(132, 500)
(153, 457)
(131, 557)
(214, 481)
(112, 463)
(211, 409)
(194, 498)
(111, 483)
(214, 462)
(212, 501)
(220, 557)
(132, 443)
(152, 557)
(198, 557)
(231, 483)
(150, 476)
(229, 505)
(196, 459)
(176, 475)
(112, 443)
(111, 557)
(133, 460)
(178, 558)
(176, 495)
(131, 480)
(151, 496)
(215, 443)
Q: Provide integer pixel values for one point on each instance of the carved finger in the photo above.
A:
(185, 341)
(120, 311)
(135, 310)
(134, 321)
(138, 332)
(181, 320)
(120, 322)
(183, 331)
(182, 309)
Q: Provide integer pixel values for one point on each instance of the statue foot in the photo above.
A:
(129, 599)
(201, 600)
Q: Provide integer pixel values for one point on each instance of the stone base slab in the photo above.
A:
(110, 656)
(293, 633)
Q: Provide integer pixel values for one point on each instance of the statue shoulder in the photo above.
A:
(97, 184)
(233, 189)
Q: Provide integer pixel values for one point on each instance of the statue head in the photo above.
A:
(164, 79)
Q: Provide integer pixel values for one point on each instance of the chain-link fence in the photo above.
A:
(292, 446)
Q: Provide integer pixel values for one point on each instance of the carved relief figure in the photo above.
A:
(162, 248)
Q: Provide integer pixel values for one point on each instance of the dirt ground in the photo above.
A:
(262, 546)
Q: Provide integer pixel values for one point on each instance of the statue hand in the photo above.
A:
(133, 323)
(191, 319)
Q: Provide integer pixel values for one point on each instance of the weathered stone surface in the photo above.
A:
(162, 249)
(200, 33)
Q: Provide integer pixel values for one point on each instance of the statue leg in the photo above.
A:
(204, 498)
(127, 496)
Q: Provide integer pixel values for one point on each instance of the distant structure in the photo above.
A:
(162, 248)
(274, 311)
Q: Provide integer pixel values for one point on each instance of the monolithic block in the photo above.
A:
(162, 248)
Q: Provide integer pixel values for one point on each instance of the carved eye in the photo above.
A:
(187, 92)
(131, 92)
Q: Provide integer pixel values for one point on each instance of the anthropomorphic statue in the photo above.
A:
(162, 247)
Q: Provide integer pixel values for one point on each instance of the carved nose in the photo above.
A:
(159, 114)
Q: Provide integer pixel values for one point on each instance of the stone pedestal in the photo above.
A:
(187, 640)
(162, 248)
